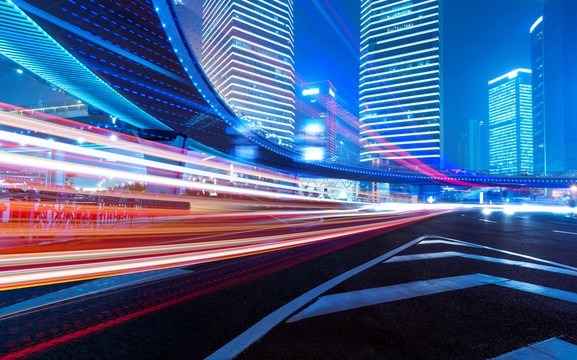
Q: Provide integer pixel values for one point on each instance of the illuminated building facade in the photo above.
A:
(538, 96)
(511, 124)
(400, 95)
(317, 109)
(247, 53)
(553, 59)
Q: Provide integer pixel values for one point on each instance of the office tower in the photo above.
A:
(475, 145)
(317, 120)
(511, 124)
(247, 53)
(400, 97)
(463, 151)
(553, 59)
(538, 96)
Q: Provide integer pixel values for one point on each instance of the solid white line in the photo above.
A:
(258, 330)
(564, 232)
(90, 288)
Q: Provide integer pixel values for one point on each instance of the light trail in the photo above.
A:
(37, 268)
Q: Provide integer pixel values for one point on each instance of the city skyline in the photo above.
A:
(344, 13)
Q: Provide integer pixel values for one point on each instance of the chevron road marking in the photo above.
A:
(258, 330)
(446, 242)
(449, 254)
(501, 251)
(356, 299)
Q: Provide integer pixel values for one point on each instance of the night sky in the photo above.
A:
(482, 39)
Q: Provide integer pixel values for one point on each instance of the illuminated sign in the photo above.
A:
(310, 91)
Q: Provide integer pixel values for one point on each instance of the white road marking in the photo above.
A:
(489, 221)
(357, 299)
(448, 254)
(258, 330)
(564, 232)
(511, 253)
(89, 288)
(427, 242)
(548, 349)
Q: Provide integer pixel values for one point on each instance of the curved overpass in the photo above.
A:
(132, 61)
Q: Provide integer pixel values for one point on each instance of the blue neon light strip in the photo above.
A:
(94, 39)
(24, 42)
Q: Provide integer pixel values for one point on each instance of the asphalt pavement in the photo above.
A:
(464, 285)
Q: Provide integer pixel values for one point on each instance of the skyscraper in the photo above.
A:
(247, 53)
(325, 125)
(511, 124)
(538, 96)
(475, 145)
(400, 97)
(553, 59)
(470, 146)
(317, 117)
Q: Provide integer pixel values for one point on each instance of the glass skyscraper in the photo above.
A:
(317, 116)
(400, 96)
(247, 53)
(553, 62)
(511, 124)
(538, 96)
